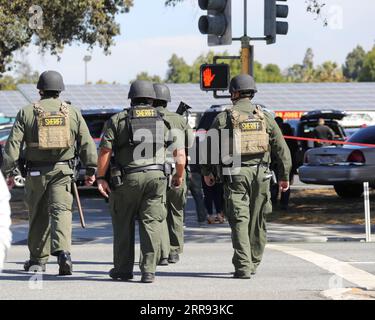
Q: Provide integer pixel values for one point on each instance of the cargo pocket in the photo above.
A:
(236, 199)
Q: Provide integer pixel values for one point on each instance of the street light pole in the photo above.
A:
(86, 59)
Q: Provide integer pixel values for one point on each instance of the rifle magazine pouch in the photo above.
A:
(53, 128)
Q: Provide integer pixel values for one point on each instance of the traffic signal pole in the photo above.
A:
(217, 25)
(247, 51)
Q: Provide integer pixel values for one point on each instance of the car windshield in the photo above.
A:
(207, 119)
(366, 135)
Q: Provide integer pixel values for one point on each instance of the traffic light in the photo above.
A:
(217, 24)
(214, 77)
(272, 26)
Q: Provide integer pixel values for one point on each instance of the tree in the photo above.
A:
(178, 70)
(23, 74)
(368, 71)
(145, 76)
(302, 72)
(8, 83)
(90, 22)
(354, 63)
(329, 72)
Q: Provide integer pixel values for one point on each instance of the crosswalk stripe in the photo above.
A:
(342, 269)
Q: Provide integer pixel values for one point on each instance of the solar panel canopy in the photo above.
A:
(11, 102)
(275, 96)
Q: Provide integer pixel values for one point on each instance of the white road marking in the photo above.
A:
(342, 269)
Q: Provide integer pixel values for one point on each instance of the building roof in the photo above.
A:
(275, 96)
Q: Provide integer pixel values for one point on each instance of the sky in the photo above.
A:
(151, 33)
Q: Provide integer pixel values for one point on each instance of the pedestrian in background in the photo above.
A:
(286, 130)
(213, 197)
(5, 221)
(324, 132)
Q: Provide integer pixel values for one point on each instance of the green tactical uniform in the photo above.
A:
(173, 228)
(49, 177)
(247, 197)
(142, 196)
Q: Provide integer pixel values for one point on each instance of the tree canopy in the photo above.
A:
(60, 23)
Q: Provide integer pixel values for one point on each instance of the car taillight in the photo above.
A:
(356, 156)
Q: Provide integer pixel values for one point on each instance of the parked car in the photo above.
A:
(4, 134)
(346, 167)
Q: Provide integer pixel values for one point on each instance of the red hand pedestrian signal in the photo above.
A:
(208, 77)
(214, 77)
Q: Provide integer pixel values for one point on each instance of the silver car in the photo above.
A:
(345, 167)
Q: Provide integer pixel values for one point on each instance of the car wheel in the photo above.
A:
(348, 191)
(19, 181)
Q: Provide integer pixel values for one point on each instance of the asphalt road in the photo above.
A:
(300, 262)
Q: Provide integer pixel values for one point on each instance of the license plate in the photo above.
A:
(327, 160)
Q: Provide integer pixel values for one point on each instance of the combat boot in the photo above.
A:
(241, 275)
(163, 262)
(65, 264)
(148, 277)
(173, 258)
(34, 266)
(123, 276)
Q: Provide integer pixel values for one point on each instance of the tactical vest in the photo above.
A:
(149, 124)
(53, 128)
(250, 135)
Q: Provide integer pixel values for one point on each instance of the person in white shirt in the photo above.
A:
(5, 234)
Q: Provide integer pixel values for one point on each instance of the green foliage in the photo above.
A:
(329, 72)
(90, 22)
(147, 77)
(368, 71)
(23, 74)
(178, 70)
(354, 63)
(306, 72)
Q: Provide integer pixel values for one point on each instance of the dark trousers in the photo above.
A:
(195, 187)
(213, 196)
(284, 199)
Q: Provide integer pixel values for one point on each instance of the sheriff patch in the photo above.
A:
(144, 113)
(53, 122)
(251, 126)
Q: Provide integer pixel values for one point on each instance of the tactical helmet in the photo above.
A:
(162, 92)
(51, 81)
(142, 89)
(243, 82)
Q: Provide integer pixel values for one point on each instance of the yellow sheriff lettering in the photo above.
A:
(49, 122)
(144, 113)
(250, 126)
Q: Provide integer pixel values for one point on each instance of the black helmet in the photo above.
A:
(162, 92)
(51, 81)
(243, 82)
(142, 89)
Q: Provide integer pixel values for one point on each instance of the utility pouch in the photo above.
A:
(116, 177)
